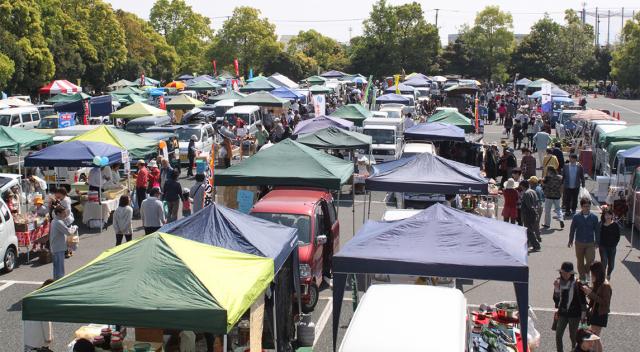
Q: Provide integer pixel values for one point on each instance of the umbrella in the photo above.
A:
(176, 84)
(591, 115)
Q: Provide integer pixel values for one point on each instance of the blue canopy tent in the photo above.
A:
(220, 226)
(288, 93)
(319, 122)
(555, 92)
(359, 80)
(630, 157)
(333, 74)
(73, 154)
(101, 105)
(392, 98)
(404, 89)
(427, 173)
(156, 92)
(418, 82)
(439, 241)
(434, 131)
(227, 228)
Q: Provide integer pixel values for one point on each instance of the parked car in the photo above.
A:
(313, 213)
(8, 239)
(141, 124)
(205, 137)
(27, 117)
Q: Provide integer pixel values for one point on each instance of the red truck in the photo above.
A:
(313, 213)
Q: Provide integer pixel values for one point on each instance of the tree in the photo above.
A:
(455, 59)
(326, 52)
(67, 40)
(293, 66)
(147, 50)
(490, 42)
(7, 68)
(247, 37)
(22, 42)
(395, 38)
(105, 34)
(187, 31)
(626, 57)
(598, 65)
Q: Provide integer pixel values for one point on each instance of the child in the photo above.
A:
(186, 202)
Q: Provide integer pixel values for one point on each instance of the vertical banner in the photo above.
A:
(235, 84)
(477, 113)
(365, 99)
(235, 65)
(86, 112)
(319, 104)
(545, 97)
(250, 73)
(397, 83)
(209, 195)
(161, 104)
(215, 67)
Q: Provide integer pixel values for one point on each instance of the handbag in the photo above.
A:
(554, 325)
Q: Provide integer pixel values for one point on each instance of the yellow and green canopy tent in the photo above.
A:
(138, 147)
(157, 281)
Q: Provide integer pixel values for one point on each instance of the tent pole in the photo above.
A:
(633, 215)
(224, 342)
(100, 201)
(353, 200)
(369, 208)
(275, 321)
(364, 206)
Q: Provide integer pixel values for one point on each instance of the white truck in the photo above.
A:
(387, 137)
(417, 200)
(8, 239)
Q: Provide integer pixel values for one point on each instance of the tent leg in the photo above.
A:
(100, 201)
(369, 207)
(224, 342)
(339, 281)
(633, 216)
(275, 321)
(364, 206)
(353, 205)
(522, 297)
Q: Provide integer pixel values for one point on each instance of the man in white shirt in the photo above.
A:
(152, 212)
(95, 179)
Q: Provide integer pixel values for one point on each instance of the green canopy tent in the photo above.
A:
(288, 163)
(318, 89)
(258, 85)
(316, 80)
(157, 281)
(138, 110)
(335, 138)
(120, 84)
(183, 102)
(256, 78)
(18, 139)
(454, 118)
(355, 113)
(232, 94)
(631, 133)
(461, 89)
(203, 85)
(128, 99)
(66, 97)
(127, 91)
(263, 99)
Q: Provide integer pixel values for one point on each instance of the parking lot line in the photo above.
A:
(20, 282)
(5, 285)
(322, 322)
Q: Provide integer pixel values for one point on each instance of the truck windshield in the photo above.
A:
(184, 134)
(48, 123)
(381, 136)
(300, 222)
(4, 120)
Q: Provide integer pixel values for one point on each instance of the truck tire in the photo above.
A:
(10, 259)
(314, 294)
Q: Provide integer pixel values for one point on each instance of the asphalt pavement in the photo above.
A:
(621, 335)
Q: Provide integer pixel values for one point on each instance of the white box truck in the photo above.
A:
(387, 137)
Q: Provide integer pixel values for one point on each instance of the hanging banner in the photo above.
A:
(209, 194)
(86, 113)
(235, 65)
(545, 97)
(66, 119)
(477, 113)
(319, 104)
(215, 68)
(367, 88)
(397, 83)
(235, 85)
(250, 73)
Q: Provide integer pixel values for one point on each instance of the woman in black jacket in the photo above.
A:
(609, 238)
(570, 302)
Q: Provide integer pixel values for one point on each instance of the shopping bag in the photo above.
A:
(583, 193)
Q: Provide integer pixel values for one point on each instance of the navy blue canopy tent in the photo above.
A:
(74, 154)
(101, 105)
(427, 173)
(418, 82)
(288, 93)
(439, 241)
(227, 228)
(404, 89)
(319, 122)
(630, 157)
(434, 131)
(392, 98)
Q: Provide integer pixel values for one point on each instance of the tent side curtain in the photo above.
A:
(336, 138)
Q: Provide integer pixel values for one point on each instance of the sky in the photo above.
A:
(341, 19)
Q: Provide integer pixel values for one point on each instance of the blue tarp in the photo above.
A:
(434, 131)
(418, 82)
(630, 157)
(404, 89)
(286, 93)
(319, 122)
(156, 92)
(427, 173)
(73, 154)
(392, 98)
(227, 228)
(101, 106)
(439, 241)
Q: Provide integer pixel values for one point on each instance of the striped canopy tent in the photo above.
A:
(59, 86)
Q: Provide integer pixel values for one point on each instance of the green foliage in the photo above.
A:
(7, 68)
(455, 59)
(247, 37)
(598, 65)
(490, 42)
(626, 57)
(325, 53)
(22, 42)
(554, 51)
(187, 31)
(395, 38)
(147, 50)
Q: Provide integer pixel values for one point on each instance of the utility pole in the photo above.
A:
(584, 13)
(437, 10)
(608, 26)
(597, 28)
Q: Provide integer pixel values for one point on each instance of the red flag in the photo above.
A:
(161, 103)
(142, 80)
(86, 112)
(215, 68)
(235, 64)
